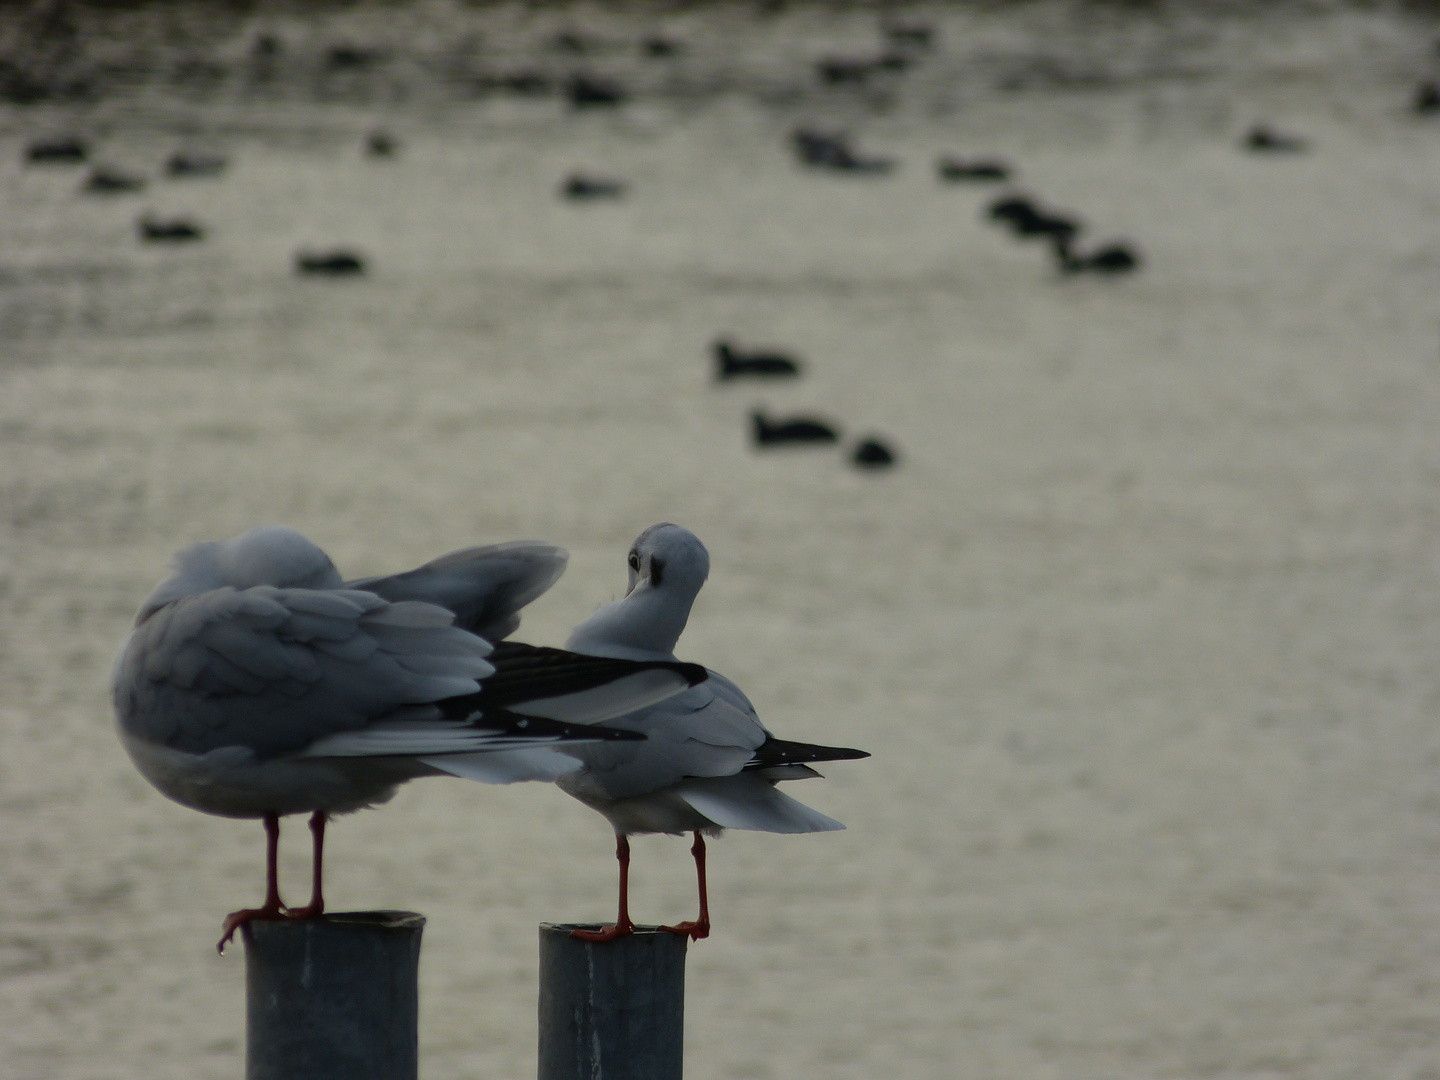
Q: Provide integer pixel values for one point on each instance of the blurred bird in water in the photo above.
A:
(581, 186)
(105, 180)
(832, 150)
(331, 263)
(1262, 138)
(381, 144)
(192, 165)
(174, 230)
(62, 149)
(1026, 220)
(732, 364)
(1116, 258)
(953, 169)
(796, 430)
(872, 453)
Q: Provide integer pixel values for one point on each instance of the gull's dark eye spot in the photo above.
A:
(635, 561)
(657, 569)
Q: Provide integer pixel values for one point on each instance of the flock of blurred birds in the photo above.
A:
(870, 452)
(815, 148)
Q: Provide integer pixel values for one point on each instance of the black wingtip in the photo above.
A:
(775, 751)
(534, 672)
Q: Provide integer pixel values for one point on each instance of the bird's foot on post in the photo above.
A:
(274, 907)
(700, 928)
(623, 926)
(309, 911)
(694, 930)
(236, 919)
(606, 933)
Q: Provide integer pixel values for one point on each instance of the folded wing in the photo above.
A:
(561, 685)
(275, 670)
(708, 731)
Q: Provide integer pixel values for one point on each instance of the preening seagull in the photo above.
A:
(256, 683)
(707, 762)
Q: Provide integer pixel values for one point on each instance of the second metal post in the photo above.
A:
(614, 1010)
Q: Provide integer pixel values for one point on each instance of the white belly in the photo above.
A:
(232, 782)
(657, 812)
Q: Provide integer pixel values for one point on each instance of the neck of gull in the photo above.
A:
(646, 625)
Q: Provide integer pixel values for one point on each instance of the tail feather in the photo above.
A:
(748, 801)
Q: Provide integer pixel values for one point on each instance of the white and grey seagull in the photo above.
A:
(257, 683)
(707, 762)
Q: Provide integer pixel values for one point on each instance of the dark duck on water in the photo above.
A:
(730, 364)
(797, 430)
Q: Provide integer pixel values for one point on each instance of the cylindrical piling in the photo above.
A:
(333, 998)
(612, 1010)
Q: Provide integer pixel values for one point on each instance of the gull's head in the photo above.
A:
(668, 565)
(267, 555)
(670, 558)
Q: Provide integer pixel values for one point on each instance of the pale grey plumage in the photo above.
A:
(690, 772)
(276, 669)
(484, 587)
(256, 682)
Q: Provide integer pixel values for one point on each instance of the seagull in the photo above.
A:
(257, 683)
(707, 762)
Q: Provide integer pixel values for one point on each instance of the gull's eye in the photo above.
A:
(635, 561)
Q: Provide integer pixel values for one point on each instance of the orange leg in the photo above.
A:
(623, 926)
(273, 908)
(700, 927)
(316, 907)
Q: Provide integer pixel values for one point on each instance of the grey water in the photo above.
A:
(1141, 630)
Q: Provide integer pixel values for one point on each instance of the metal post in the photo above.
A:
(333, 998)
(612, 1010)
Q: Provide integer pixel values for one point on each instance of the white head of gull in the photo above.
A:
(257, 683)
(707, 762)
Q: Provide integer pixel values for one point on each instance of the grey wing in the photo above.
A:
(708, 730)
(484, 586)
(275, 670)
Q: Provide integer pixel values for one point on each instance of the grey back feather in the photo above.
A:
(485, 587)
(273, 670)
